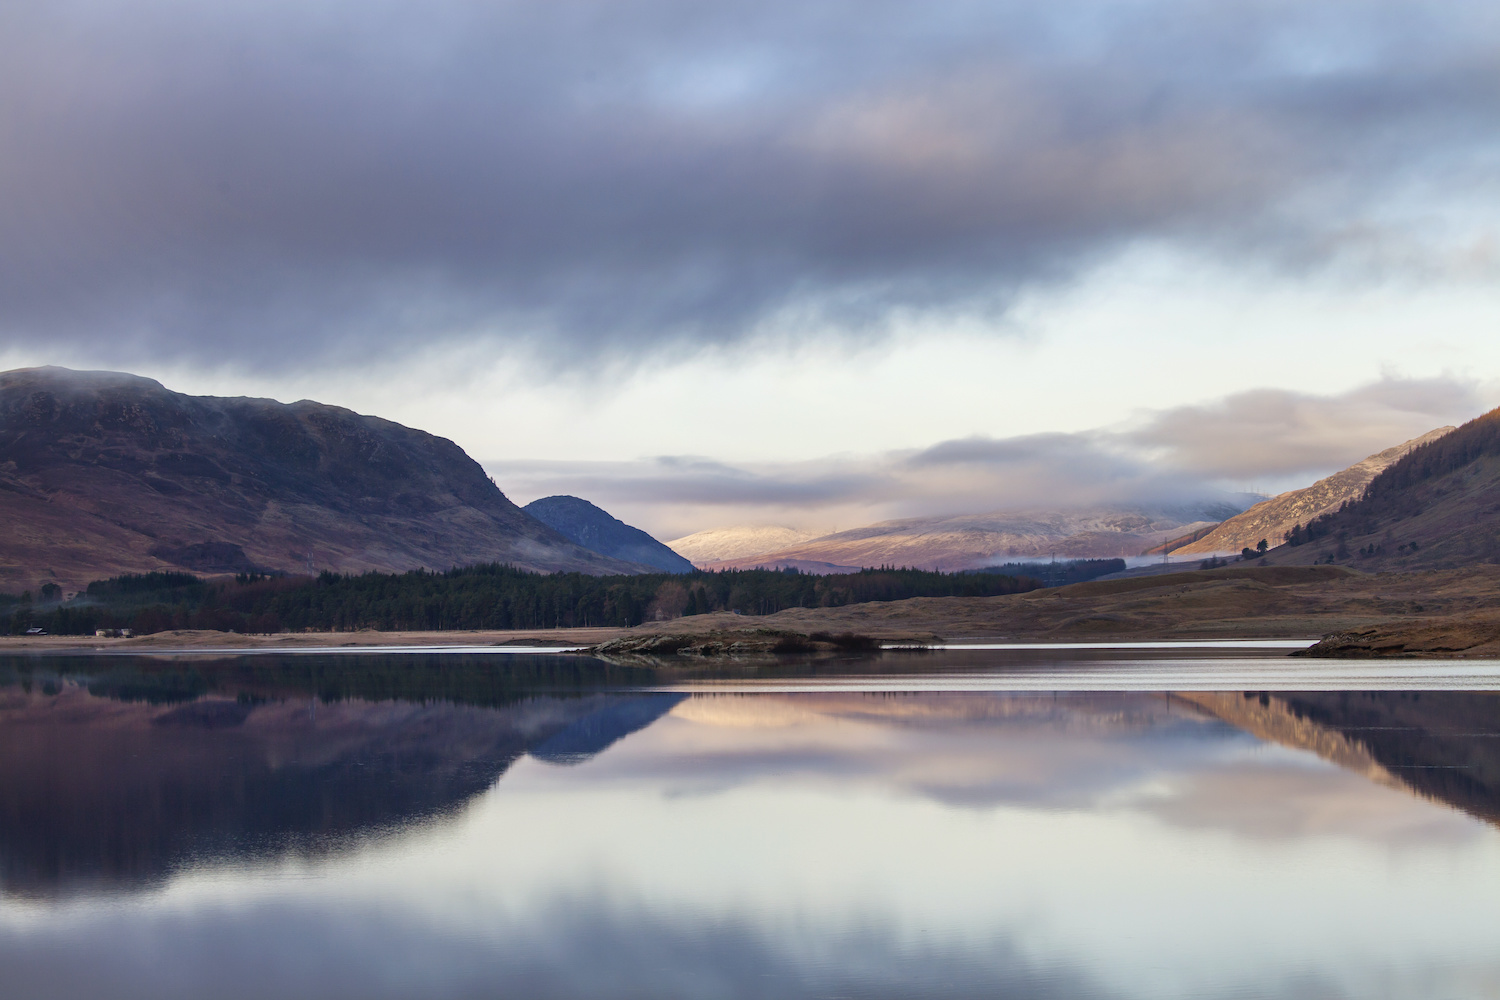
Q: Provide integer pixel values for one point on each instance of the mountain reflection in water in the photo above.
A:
(120, 788)
(1441, 745)
(316, 829)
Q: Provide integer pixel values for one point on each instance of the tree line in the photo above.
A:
(1058, 574)
(474, 597)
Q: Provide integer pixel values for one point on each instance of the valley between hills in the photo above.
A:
(105, 475)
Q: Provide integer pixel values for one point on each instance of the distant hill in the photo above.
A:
(104, 473)
(718, 544)
(581, 522)
(1273, 518)
(1438, 506)
(972, 541)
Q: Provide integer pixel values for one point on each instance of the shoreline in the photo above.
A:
(571, 640)
(1448, 614)
(207, 640)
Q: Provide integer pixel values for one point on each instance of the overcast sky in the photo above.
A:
(1141, 243)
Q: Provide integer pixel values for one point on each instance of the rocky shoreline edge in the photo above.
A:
(1457, 637)
(752, 642)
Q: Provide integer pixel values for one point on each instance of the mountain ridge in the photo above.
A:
(104, 473)
(1436, 507)
(972, 541)
(1273, 518)
(739, 541)
(590, 526)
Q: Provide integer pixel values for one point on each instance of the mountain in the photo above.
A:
(971, 541)
(584, 524)
(104, 473)
(1273, 518)
(737, 542)
(1436, 507)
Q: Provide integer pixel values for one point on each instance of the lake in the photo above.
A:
(1067, 822)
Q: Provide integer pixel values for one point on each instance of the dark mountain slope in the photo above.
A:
(104, 473)
(1436, 507)
(1273, 518)
(583, 523)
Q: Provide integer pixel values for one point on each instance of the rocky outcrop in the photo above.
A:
(1472, 635)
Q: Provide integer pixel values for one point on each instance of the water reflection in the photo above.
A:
(1441, 745)
(102, 793)
(228, 829)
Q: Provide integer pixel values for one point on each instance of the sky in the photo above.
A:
(812, 264)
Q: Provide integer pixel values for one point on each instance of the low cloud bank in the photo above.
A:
(1177, 456)
(1273, 434)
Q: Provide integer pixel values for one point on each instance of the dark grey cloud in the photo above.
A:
(265, 181)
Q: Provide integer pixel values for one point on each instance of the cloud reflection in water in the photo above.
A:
(841, 845)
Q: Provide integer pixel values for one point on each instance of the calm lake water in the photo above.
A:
(907, 825)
